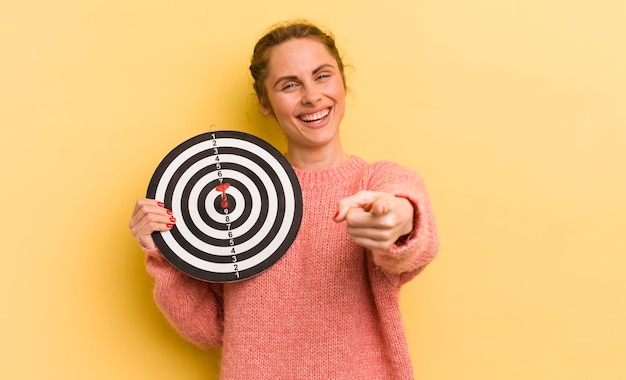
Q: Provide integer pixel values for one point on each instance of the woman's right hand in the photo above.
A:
(149, 216)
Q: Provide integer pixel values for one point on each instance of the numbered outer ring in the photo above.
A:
(237, 203)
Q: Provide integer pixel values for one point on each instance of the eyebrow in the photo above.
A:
(293, 77)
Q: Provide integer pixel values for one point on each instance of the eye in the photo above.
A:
(289, 86)
(323, 76)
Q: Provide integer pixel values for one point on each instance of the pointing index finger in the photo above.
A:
(363, 199)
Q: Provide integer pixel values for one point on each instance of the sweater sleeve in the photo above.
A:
(409, 255)
(192, 306)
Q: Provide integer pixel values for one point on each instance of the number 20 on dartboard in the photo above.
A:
(222, 187)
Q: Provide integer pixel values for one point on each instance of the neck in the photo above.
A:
(311, 159)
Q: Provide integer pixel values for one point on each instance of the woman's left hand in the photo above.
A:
(375, 220)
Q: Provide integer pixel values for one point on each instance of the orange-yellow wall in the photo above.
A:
(513, 111)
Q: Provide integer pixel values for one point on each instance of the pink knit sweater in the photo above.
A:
(329, 308)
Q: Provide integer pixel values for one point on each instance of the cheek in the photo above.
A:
(281, 104)
(339, 91)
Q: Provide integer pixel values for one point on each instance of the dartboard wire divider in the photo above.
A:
(237, 203)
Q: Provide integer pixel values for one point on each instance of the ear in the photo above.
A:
(266, 110)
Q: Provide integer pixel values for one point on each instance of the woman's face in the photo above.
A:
(306, 93)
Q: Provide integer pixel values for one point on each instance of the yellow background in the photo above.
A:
(513, 112)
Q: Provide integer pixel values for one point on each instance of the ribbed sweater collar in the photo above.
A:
(340, 172)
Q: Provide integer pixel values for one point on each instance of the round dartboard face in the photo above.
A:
(237, 203)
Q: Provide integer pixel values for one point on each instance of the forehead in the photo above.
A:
(298, 55)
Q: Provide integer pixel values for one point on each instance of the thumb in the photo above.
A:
(378, 206)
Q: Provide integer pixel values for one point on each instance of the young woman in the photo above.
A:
(328, 309)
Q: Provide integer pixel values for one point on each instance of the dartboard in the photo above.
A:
(237, 203)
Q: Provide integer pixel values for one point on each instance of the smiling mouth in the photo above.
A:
(312, 117)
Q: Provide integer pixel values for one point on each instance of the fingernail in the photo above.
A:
(336, 215)
(169, 225)
(161, 204)
(169, 212)
(173, 220)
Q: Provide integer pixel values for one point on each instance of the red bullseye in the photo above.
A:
(222, 188)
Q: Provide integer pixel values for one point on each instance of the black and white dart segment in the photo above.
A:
(237, 203)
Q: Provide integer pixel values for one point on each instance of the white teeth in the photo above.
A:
(315, 116)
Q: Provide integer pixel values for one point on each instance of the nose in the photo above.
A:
(310, 96)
